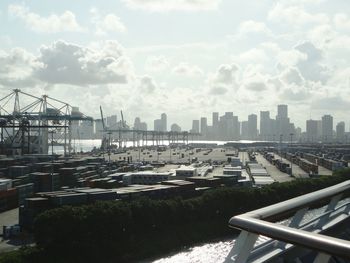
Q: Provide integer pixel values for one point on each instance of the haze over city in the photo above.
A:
(185, 58)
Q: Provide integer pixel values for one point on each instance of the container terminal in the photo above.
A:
(33, 179)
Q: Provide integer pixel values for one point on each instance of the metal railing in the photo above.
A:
(307, 235)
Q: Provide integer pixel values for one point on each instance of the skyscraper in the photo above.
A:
(282, 122)
(195, 126)
(282, 111)
(245, 130)
(164, 125)
(175, 127)
(340, 131)
(311, 131)
(215, 128)
(252, 127)
(327, 128)
(265, 125)
(204, 127)
(157, 125)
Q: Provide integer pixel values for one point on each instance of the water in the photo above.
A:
(214, 252)
(88, 145)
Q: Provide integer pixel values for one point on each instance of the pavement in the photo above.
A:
(296, 170)
(276, 174)
(9, 218)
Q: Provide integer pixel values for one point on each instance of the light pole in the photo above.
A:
(281, 137)
(52, 132)
(291, 163)
(109, 150)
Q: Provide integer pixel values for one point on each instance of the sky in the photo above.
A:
(187, 58)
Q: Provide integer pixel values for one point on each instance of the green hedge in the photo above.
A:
(125, 231)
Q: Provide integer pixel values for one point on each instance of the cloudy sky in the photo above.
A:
(184, 57)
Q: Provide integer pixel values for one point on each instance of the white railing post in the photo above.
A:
(242, 248)
(322, 258)
(330, 207)
(294, 223)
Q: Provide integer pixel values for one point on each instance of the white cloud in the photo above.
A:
(156, 63)
(331, 103)
(312, 67)
(251, 26)
(65, 63)
(69, 63)
(219, 90)
(50, 24)
(255, 55)
(173, 5)
(295, 15)
(342, 22)
(146, 85)
(107, 24)
(256, 86)
(292, 76)
(17, 67)
(187, 70)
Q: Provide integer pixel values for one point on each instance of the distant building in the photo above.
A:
(265, 126)
(282, 122)
(204, 127)
(175, 128)
(327, 128)
(112, 121)
(157, 125)
(312, 131)
(98, 129)
(340, 132)
(252, 127)
(215, 129)
(164, 125)
(245, 130)
(138, 125)
(195, 126)
(86, 130)
(161, 124)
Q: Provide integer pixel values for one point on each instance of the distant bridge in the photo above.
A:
(302, 240)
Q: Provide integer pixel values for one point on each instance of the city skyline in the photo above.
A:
(228, 127)
(185, 58)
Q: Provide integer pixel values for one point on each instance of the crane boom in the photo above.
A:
(123, 123)
(103, 120)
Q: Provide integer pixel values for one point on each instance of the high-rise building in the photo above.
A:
(195, 126)
(112, 121)
(236, 129)
(175, 128)
(327, 128)
(245, 130)
(283, 126)
(340, 131)
(164, 124)
(204, 127)
(312, 131)
(98, 129)
(252, 127)
(158, 125)
(215, 127)
(138, 125)
(86, 130)
(265, 125)
(282, 111)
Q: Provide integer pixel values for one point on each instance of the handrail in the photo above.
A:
(298, 202)
(256, 222)
(329, 245)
